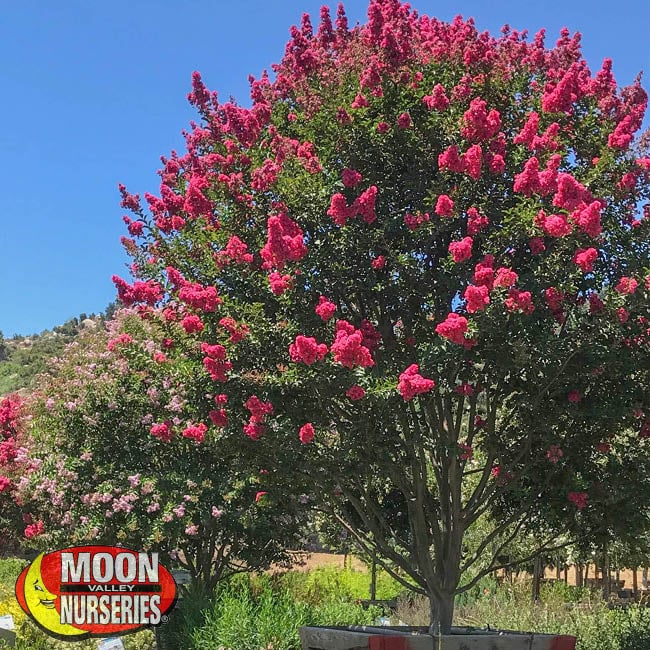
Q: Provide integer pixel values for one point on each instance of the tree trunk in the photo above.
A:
(644, 577)
(537, 573)
(442, 613)
(579, 576)
(373, 579)
(566, 574)
(635, 580)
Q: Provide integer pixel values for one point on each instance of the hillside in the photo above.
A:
(23, 357)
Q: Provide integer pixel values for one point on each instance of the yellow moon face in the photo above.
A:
(41, 602)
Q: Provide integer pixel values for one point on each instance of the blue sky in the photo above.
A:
(95, 92)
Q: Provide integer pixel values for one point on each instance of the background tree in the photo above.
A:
(420, 251)
(110, 473)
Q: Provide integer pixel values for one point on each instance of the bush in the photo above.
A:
(324, 584)
(259, 613)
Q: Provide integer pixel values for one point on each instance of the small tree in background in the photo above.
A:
(419, 252)
(15, 463)
(111, 472)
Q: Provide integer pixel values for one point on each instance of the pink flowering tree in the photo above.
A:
(15, 464)
(111, 470)
(423, 253)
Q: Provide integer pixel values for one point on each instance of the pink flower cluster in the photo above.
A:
(215, 361)
(162, 431)
(237, 331)
(479, 124)
(461, 250)
(348, 346)
(284, 243)
(306, 433)
(259, 410)
(325, 308)
(454, 328)
(305, 349)
(195, 432)
(363, 206)
(412, 383)
(149, 292)
(579, 499)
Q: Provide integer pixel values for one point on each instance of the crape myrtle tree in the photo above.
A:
(110, 471)
(423, 250)
(15, 462)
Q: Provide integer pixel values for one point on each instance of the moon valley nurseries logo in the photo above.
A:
(95, 591)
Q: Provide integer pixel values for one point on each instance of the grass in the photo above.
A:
(562, 610)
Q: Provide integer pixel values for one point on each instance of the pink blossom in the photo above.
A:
(475, 222)
(556, 225)
(325, 308)
(536, 245)
(195, 432)
(585, 258)
(192, 323)
(484, 273)
(284, 243)
(451, 160)
(219, 418)
(348, 347)
(351, 177)
(466, 451)
(473, 161)
(579, 499)
(444, 206)
(477, 298)
(355, 392)
(404, 121)
(528, 182)
(574, 396)
(306, 433)
(307, 350)
(519, 301)
(279, 283)
(412, 383)
(480, 124)
(461, 250)
(161, 431)
(34, 530)
(454, 328)
(437, 100)
(505, 277)
(378, 263)
(626, 285)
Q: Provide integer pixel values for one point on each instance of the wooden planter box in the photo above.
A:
(417, 638)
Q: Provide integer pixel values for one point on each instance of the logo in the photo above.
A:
(97, 591)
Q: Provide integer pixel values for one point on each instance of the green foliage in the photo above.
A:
(325, 584)
(257, 615)
(595, 625)
(10, 569)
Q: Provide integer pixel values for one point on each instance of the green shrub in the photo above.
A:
(331, 583)
(263, 614)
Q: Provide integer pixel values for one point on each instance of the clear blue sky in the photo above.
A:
(95, 92)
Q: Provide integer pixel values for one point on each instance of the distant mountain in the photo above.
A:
(24, 357)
